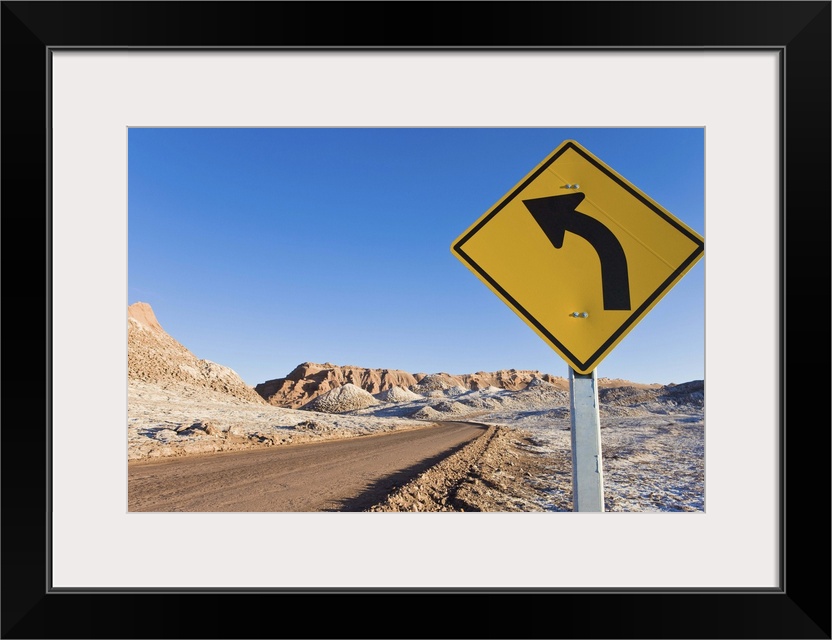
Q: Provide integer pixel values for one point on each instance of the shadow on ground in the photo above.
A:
(378, 491)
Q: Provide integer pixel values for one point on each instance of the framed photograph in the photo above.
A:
(752, 78)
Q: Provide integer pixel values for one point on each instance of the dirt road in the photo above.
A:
(341, 475)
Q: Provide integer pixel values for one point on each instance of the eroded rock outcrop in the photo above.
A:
(310, 380)
(511, 379)
(154, 356)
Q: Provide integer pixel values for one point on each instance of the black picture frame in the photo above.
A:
(799, 31)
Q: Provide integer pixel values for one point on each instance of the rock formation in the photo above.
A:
(154, 356)
(309, 380)
(347, 397)
(511, 379)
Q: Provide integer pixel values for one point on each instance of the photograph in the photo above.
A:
(419, 310)
(291, 292)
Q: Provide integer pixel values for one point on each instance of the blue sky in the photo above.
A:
(260, 249)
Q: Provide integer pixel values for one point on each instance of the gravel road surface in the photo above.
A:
(342, 475)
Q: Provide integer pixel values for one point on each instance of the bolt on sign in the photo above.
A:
(579, 253)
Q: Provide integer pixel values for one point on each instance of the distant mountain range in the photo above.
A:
(309, 380)
(155, 356)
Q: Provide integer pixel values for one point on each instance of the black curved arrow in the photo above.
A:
(556, 215)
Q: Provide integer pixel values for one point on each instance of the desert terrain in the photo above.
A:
(652, 434)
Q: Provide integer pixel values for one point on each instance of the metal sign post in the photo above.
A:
(587, 466)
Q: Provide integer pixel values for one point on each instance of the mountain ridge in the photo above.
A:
(155, 356)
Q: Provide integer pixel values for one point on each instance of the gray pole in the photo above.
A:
(587, 469)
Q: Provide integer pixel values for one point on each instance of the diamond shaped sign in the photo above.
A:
(579, 253)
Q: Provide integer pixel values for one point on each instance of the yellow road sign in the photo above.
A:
(579, 253)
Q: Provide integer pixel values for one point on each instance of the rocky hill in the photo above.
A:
(307, 381)
(345, 398)
(511, 379)
(310, 380)
(154, 356)
(688, 396)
